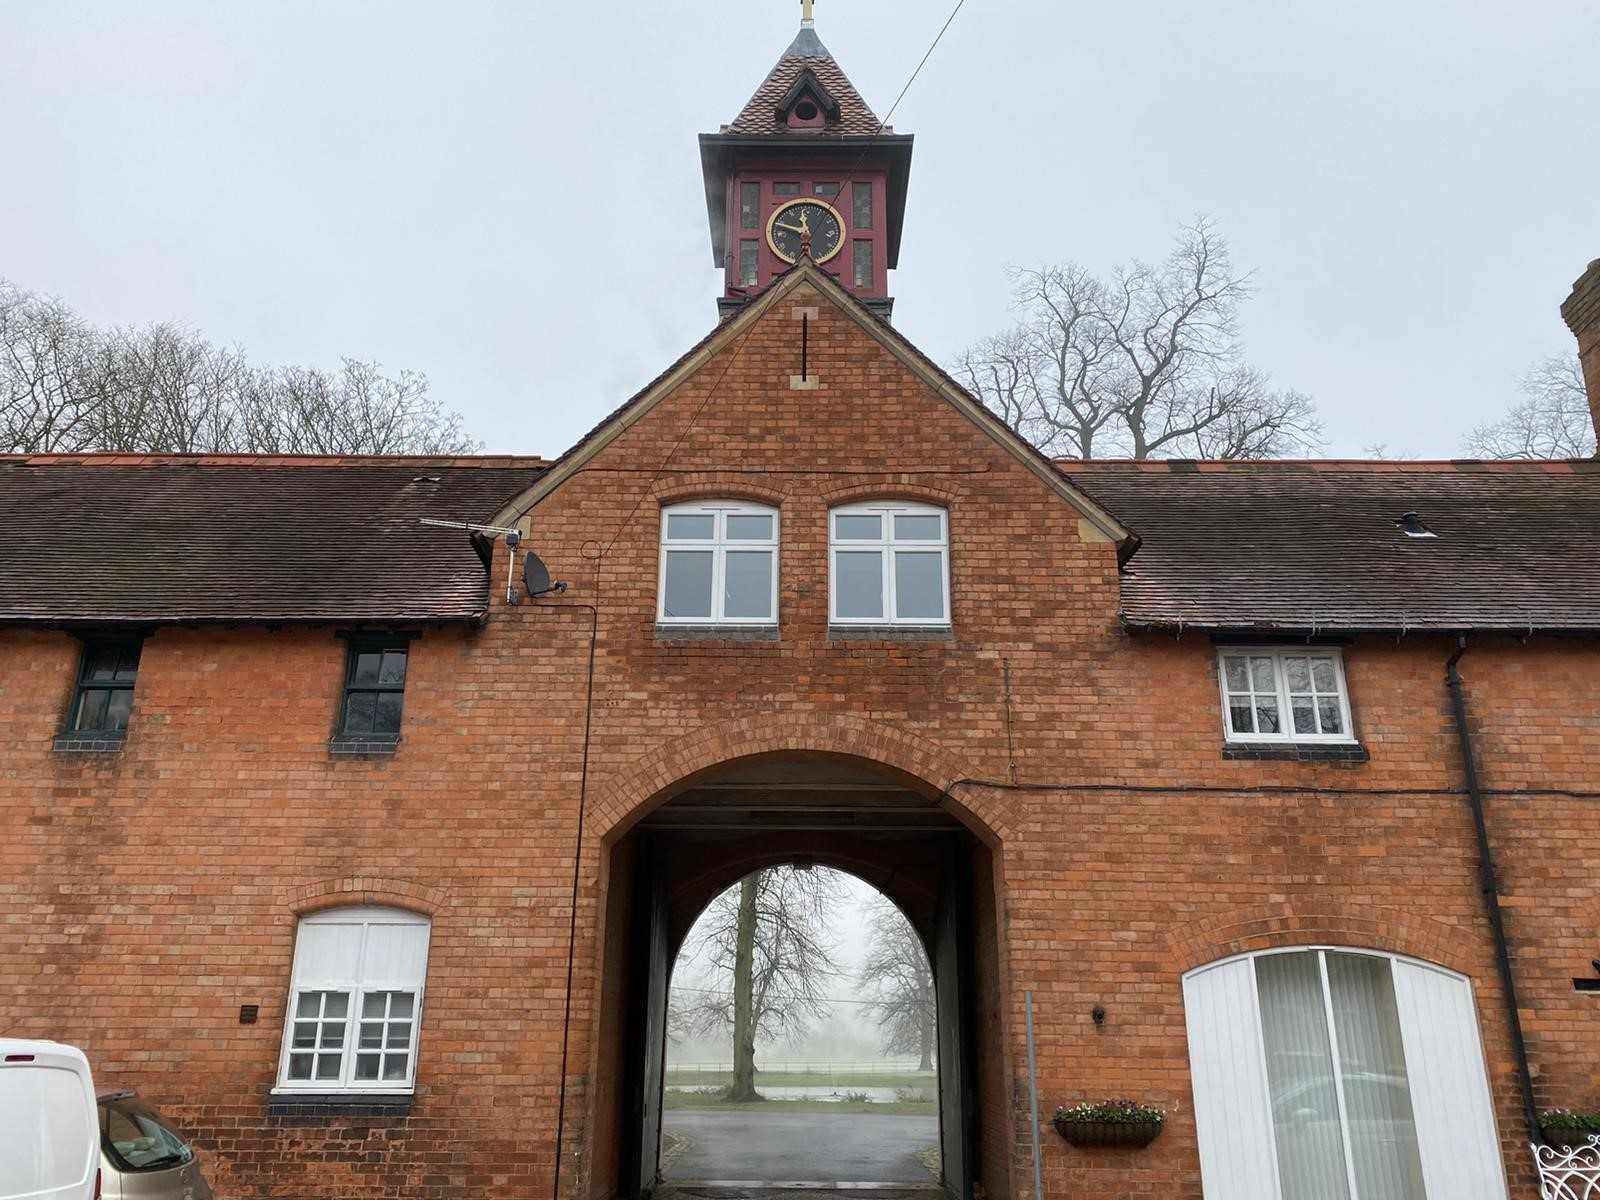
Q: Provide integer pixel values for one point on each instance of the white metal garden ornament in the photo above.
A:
(1569, 1174)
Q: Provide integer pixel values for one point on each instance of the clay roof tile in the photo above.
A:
(805, 53)
(117, 538)
(1316, 546)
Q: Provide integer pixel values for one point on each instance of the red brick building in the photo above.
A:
(1266, 780)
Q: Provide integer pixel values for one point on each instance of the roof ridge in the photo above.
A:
(1375, 466)
(109, 458)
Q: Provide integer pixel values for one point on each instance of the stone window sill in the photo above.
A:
(716, 633)
(891, 633)
(363, 745)
(1342, 752)
(88, 741)
(339, 1104)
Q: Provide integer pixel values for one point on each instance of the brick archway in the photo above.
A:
(656, 777)
(943, 871)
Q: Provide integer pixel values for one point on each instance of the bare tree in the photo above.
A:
(768, 946)
(1146, 363)
(895, 974)
(67, 386)
(47, 393)
(1551, 421)
(161, 389)
(355, 410)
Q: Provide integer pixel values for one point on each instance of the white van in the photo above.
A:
(52, 1131)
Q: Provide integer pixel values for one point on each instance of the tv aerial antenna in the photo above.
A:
(534, 573)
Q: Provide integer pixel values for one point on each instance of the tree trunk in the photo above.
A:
(925, 1036)
(744, 1024)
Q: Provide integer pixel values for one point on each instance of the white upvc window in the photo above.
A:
(1328, 1073)
(1284, 694)
(355, 1001)
(719, 564)
(889, 564)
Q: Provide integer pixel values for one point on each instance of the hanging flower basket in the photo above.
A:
(1110, 1123)
(1567, 1130)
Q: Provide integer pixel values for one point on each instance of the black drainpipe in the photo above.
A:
(1489, 880)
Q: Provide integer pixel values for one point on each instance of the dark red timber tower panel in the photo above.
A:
(806, 163)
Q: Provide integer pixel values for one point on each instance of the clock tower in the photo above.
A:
(806, 166)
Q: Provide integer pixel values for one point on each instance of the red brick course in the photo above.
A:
(145, 895)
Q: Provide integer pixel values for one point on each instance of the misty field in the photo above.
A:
(717, 1101)
(837, 1091)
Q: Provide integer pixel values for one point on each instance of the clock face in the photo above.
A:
(801, 218)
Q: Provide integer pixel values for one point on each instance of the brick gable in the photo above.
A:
(768, 332)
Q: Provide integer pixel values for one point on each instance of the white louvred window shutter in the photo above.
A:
(327, 953)
(1449, 1088)
(1230, 1083)
(396, 954)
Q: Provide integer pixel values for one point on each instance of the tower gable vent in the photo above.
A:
(807, 104)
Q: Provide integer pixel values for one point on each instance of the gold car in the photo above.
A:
(142, 1157)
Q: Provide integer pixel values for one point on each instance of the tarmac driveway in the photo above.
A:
(814, 1147)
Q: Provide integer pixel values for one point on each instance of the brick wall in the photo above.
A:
(147, 894)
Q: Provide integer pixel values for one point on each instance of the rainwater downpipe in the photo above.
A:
(1489, 883)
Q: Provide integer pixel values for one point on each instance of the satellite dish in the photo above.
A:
(536, 575)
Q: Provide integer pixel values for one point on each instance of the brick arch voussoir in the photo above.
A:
(715, 485)
(365, 889)
(648, 781)
(891, 487)
(1324, 922)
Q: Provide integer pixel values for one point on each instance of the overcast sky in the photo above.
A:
(507, 197)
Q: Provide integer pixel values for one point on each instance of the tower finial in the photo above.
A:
(807, 21)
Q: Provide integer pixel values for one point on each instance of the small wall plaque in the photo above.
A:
(248, 1013)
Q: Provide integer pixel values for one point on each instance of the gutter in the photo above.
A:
(1488, 878)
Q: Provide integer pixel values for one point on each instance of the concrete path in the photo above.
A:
(815, 1147)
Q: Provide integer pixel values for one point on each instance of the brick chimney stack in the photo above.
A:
(1582, 315)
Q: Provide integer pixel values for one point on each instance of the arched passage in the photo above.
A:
(881, 823)
(801, 1037)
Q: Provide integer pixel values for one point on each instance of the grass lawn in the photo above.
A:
(842, 1079)
(779, 1107)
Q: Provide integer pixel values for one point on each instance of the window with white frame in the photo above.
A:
(719, 564)
(355, 1002)
(1284, 694)
(889, 564)
(1326, 1073)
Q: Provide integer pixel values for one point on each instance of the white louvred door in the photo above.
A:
(1449, 1087)
(1230, 1083)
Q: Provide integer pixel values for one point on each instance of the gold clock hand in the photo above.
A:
(790, 228)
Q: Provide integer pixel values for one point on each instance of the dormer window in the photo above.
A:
(807, 104)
